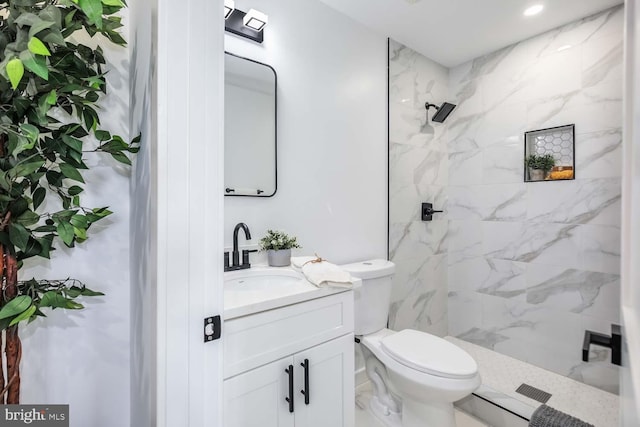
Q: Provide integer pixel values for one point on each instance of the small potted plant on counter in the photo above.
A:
(539, 166)
(278, 246)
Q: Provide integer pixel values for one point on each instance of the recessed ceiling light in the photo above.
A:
(533, 10)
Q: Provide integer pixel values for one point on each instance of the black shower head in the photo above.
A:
(442, 112)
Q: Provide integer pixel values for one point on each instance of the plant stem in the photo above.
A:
(13, 348)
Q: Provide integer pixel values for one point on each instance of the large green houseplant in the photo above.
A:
(49, 89)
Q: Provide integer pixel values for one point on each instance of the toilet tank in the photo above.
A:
(372, 299)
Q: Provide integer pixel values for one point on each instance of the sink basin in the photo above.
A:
(260, 279)
(261, 288)
(254, 288)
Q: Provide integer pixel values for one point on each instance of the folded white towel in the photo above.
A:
(298, 261)
(323, 273)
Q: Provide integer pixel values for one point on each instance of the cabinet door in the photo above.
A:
(257, 398)
(330, 386)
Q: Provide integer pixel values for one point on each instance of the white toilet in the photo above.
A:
(416, 376)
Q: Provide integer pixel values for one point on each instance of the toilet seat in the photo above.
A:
(429, 354)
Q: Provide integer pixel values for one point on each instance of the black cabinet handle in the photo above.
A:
(290, 398)
(305, 392)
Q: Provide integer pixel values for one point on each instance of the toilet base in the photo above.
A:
(430, 414)
(383, 414)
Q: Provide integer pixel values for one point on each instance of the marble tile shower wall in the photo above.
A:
(531, 266)
(418, 173)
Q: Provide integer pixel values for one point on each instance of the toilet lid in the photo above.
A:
(430, 354)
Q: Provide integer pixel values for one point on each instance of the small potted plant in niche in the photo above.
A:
(539, 166)
(278, 246)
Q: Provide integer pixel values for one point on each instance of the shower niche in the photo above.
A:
(549, 154)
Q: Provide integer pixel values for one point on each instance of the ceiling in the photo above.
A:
(454, 31)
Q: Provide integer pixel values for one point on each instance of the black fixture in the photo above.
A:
(614, 342)
(289, 399)
(442, 112)
(305, 392)
(235, 25)
(427, 211)
(235, 254)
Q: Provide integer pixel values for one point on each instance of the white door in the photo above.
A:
(630, 373)
(257, 398)
(330, 386)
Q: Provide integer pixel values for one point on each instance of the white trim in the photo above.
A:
(630, 269)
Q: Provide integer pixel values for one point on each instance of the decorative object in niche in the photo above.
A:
(278, 246)
(540, 166)
(250, 145)
(549, 154)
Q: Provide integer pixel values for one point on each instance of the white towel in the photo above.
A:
(298, 261)
(323, 273)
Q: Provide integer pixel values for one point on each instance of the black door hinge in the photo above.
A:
(212, 328)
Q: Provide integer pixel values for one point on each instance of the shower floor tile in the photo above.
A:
(364, 418)
(502, 375)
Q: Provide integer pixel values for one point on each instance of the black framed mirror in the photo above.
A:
(250, 134)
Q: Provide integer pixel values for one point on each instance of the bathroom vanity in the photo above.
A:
(288, 351)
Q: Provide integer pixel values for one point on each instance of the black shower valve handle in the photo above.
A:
(428, 211)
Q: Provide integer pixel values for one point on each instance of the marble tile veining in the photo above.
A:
(519, 268)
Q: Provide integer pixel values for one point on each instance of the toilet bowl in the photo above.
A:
(416, 376)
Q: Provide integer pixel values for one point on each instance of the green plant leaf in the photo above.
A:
(74, 190)
(89, 293)
(122, 158)
(37, 47)
(40, 26)
(93, 10)
(38, 197)
(75, 144)
(70, 172)
(15, 306)
(24, 169)
(35, 64)
(116, 3)
(24, 315)
(52, 97)
(31, 132)
(66, 233)
(15, 71)
(18, 235)
(53, 299)
(28, 218)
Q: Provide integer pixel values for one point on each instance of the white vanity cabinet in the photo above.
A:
(310, 344)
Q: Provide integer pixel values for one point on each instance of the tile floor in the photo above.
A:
(501, 376)
(365, 419)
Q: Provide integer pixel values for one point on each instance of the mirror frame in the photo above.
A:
(275, 136)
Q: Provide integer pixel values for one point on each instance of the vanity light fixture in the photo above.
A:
(255, 20)
(533, 10)
(229, 7)
(249, 25)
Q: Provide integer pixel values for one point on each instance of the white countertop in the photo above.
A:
(278, 287)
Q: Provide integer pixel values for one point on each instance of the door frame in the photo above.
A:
(630, 251)
(189, 110)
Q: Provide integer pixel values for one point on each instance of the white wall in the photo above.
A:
(332, 147)
(81, 358)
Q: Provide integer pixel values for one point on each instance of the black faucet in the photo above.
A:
(235, 255)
